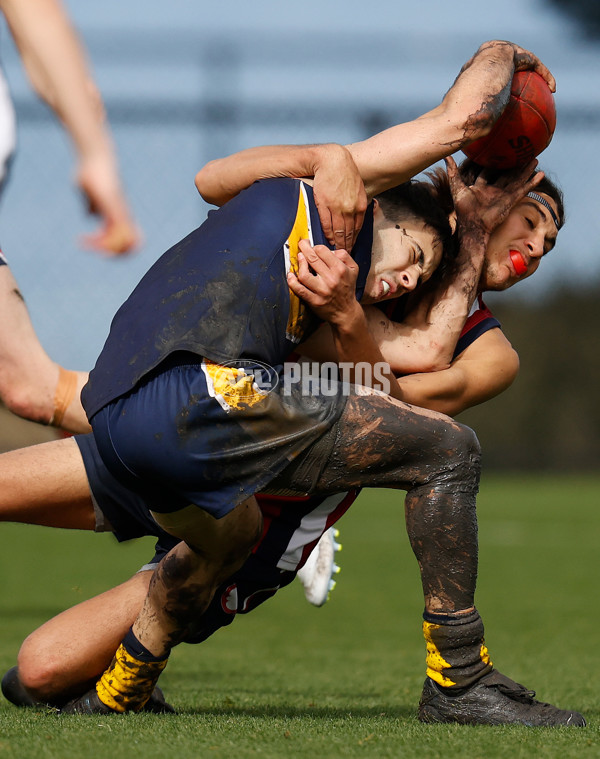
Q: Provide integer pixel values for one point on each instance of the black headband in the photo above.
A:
(547, 205)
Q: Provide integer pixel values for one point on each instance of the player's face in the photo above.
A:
(403, 256)
(516, 247)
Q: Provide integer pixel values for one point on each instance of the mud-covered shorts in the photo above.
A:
(293, 524)
(195, 432)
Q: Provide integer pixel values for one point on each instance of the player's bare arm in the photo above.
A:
(481, 372)
(223, 178)
(467, 112)
(426, 338)
(437, 313)
(57, 68)
(339, 191)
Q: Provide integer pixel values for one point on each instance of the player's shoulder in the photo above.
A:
(479, 321)
(479, 313)
(274, 190)
(268, 203)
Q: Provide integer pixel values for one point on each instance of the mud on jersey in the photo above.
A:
(221, 292)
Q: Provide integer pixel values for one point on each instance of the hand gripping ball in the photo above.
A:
(524, 129)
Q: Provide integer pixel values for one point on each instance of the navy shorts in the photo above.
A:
(292, 525)
(125, 509)
(199, 433)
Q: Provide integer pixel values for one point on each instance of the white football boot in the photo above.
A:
(317, 575)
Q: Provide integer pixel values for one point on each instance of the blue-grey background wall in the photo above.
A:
(185, 82)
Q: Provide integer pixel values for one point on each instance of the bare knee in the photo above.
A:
(40, 670)
(220, 545)
(245, 534)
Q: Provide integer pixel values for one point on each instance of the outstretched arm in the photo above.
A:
(338, 188)
(56, 66)
(467, 112)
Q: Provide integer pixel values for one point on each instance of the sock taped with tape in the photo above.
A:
(456, 652)
(129, 681)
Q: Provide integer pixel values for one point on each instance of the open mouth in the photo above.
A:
(385, 288)
(518, 262)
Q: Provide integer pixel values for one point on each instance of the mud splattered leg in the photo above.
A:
(180, 591)
(379, 442)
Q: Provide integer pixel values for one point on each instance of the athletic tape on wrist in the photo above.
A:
(66, 388)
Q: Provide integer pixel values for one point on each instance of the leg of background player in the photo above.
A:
(28, 377)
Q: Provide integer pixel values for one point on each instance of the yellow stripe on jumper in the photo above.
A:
(300, 231)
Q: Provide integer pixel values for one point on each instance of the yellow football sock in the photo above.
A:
(128, 683)
(456, 652)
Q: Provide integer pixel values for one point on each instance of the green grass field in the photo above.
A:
(290, 680)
